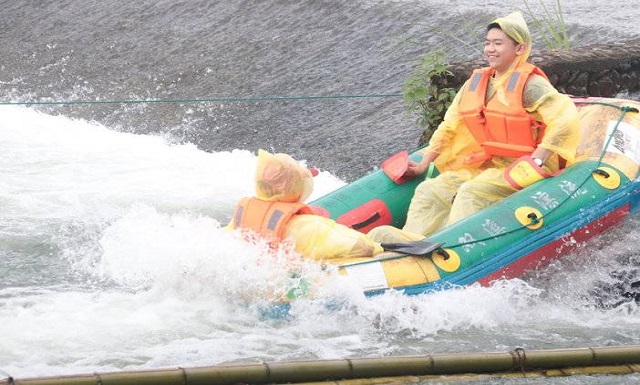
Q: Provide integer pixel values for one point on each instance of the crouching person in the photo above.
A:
(278, 213)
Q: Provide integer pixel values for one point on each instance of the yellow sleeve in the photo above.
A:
(323, 239)
(452, 141)
(446, 131)
(558, 112)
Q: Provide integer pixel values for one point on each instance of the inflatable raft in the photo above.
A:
(526, 230)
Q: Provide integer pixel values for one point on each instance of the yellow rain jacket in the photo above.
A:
(477, 185)
(282, 184)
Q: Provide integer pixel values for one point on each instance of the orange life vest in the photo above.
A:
(266, 218)
(502, 129)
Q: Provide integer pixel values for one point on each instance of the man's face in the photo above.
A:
(500, 51)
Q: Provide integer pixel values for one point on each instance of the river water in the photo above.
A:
(111, 250)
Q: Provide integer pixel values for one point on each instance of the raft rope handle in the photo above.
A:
(443, 252)
(534, 218)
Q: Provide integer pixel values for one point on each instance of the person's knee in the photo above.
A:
(467, 189)
(425, 189)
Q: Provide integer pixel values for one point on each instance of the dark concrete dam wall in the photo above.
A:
(597, 70)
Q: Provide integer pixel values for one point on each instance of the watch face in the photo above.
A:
(537, 161)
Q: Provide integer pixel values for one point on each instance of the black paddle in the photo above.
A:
(420, 248)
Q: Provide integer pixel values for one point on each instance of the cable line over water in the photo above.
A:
(253, 99)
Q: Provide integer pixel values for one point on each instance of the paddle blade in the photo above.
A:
(422, 248)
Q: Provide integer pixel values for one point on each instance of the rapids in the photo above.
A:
(112, 251)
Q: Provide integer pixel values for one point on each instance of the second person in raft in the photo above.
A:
(278, 212)
(506, 128)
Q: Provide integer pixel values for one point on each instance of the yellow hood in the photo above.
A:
(280, 178)
(516, 28)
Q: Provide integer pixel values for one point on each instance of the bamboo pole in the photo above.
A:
(468, 377)
(617, 360)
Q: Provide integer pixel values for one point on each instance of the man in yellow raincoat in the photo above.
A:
(277, 212)
(506, 128)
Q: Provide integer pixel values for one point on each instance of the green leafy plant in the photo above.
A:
(551, 25)
(426, 92)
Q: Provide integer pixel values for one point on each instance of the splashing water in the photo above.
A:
(112, 248)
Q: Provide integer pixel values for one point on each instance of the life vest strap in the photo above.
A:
(508, 150)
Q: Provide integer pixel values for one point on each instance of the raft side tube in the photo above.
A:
(494, 238)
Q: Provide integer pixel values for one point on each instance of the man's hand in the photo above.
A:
(415, 169)
(418, 168)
